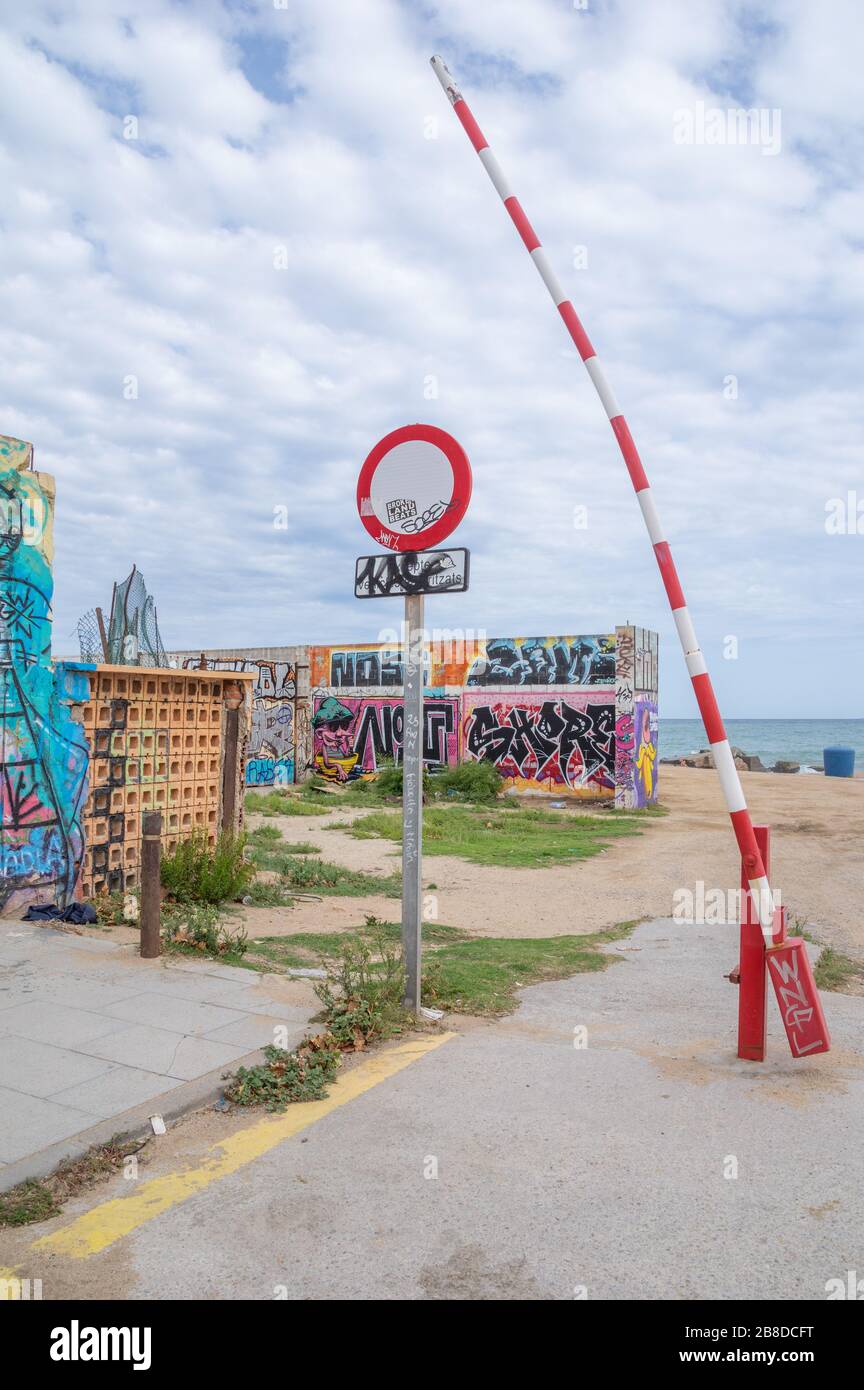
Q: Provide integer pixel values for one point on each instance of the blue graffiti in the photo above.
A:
(45, 755)
(267, 772)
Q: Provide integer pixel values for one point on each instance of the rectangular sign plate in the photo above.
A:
(798, 997)
(411, 572)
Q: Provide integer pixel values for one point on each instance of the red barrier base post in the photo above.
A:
(798, 998)
(751, 964)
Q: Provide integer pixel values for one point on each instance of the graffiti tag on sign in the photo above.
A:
(424, 572)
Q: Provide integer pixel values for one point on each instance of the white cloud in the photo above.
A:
(304, 131)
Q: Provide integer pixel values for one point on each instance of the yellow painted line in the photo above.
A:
(100, 1227)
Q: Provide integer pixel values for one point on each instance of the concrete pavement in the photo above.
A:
(93, 1039)
(509, 1163)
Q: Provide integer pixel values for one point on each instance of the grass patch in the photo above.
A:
(322, 876)
(38, 1200)
(28, 1202)
(285, 804)
(517, 839)
(476, 782)
(267, 894)
(835, 971)
(264, 835)
(461, 973)
(264, 845)
(314, 948)
(481, 976)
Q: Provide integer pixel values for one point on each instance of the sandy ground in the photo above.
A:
(817, 845)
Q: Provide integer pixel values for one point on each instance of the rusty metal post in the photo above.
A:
(151, 856)
(103, 636)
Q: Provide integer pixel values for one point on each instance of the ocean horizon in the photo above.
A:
(793, 740)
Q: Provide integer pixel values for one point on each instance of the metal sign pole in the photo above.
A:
(413, 489)
(412, 798)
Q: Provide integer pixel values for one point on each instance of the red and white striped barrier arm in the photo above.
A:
(723, 760)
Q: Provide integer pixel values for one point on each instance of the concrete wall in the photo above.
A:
(636, 717)
(43, 750)
(568, 715)
(279, 706)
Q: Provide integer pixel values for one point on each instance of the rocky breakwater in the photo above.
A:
(745, 762)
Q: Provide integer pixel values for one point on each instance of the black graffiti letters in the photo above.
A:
(541, 741)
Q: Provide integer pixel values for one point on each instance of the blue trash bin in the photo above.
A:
(839, 761)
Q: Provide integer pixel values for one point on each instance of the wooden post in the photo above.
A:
(233, 701)
(151, 896)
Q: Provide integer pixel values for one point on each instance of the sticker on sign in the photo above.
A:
(414, 488)
(411, 572)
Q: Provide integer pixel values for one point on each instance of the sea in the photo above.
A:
(795, 740)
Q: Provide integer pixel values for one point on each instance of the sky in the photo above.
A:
(243, 241)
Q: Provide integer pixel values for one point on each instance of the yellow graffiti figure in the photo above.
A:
(646, 756)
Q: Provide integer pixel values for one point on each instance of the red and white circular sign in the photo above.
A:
(414, 488)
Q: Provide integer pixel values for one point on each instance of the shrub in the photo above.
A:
(287, 1076)
(363, 991)
(469, 781)
(198, 872)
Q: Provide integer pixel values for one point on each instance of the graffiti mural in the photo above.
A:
(545, 661)
(351, 736)
(367, 668)
(271, 753)
(645, 760)
(564, 743)
(43, 752)
(558, 712)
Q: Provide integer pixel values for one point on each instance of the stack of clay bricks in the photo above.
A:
(156, 744)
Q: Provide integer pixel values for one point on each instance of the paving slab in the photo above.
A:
(93, 1039)
(47, 1021)
(38, 1069)
(113, 1091)
(172, 1054)
(164, 1010)
(31, 1122)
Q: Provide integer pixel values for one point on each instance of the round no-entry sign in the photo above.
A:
(414, 488)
